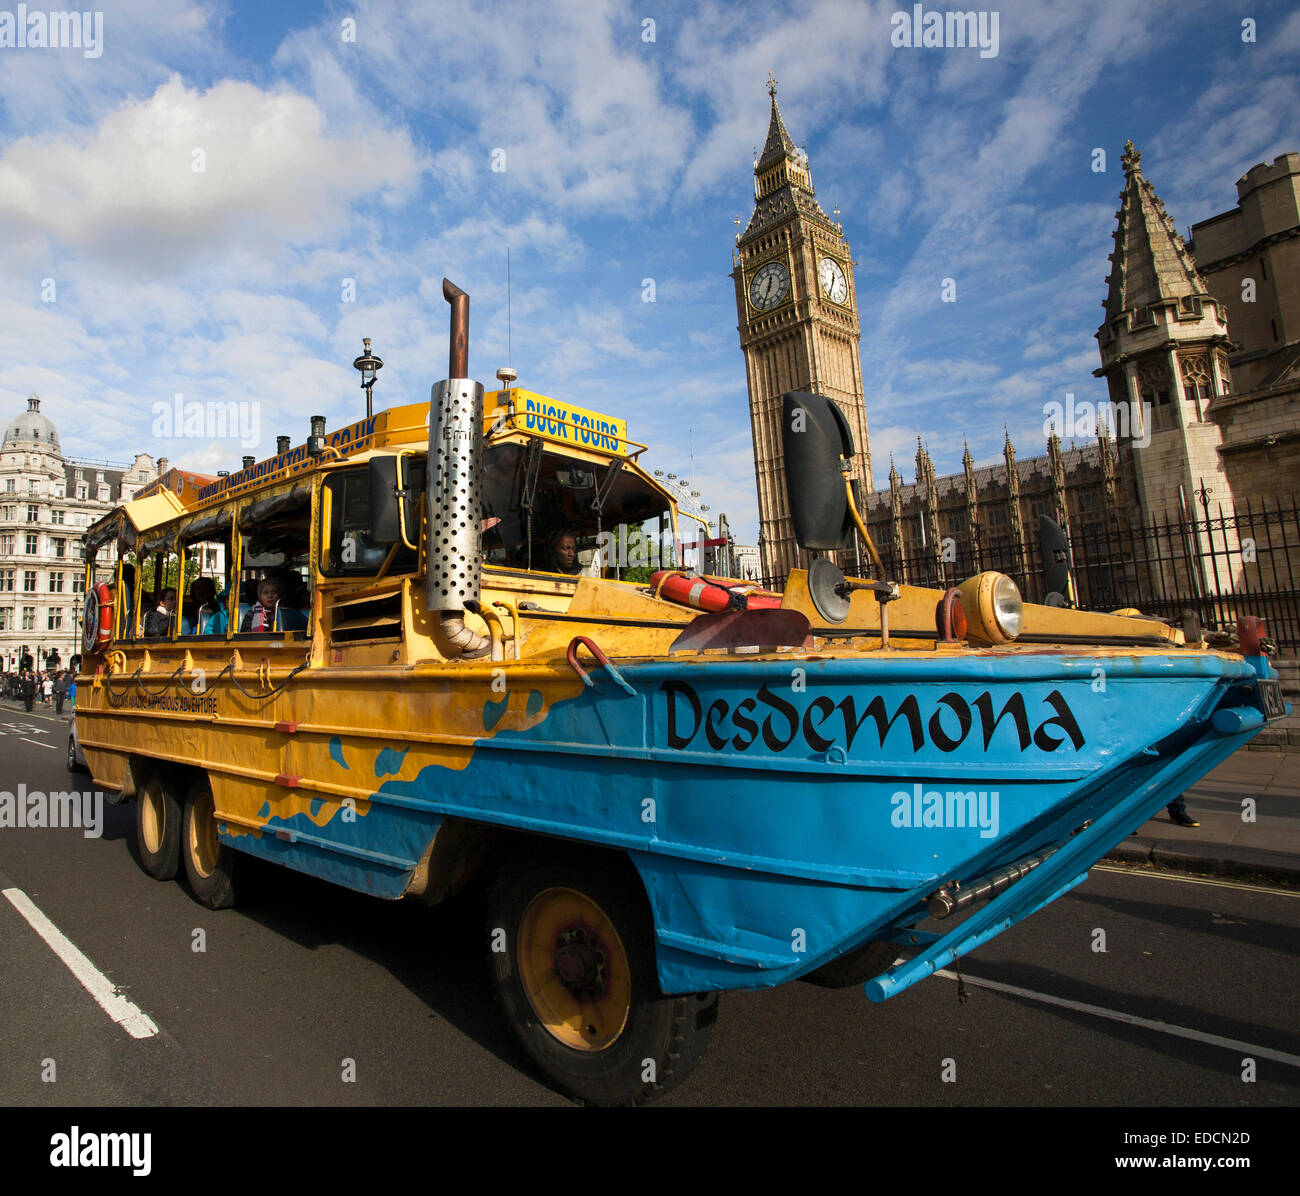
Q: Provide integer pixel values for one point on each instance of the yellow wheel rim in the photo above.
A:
(574, 969)
(204, 844)
(152, 816)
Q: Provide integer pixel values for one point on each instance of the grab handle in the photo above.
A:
(601, 660)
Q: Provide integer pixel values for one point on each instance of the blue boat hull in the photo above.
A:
(782, 813)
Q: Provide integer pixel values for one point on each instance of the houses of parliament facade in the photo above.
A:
(1199, 348)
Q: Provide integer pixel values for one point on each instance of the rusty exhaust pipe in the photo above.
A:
(454, 548)
(458, 339)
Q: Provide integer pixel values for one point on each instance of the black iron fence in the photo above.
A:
(1217, 567)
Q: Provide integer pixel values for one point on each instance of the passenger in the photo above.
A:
(202, 613)
(261, 615)
(294, 601)
(159, 620)
(562, 553)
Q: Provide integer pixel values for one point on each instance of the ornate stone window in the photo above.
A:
(1153, 383)
(1225, 374)
(1198, 383)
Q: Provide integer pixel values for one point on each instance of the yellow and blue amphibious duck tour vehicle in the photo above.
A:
(399, 659)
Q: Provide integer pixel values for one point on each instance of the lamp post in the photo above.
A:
(369, 365)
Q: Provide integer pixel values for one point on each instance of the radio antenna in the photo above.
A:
(510, 348)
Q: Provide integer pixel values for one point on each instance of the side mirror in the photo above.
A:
(1056, 561)
(395, 485)
(385, 478)
(815, 436)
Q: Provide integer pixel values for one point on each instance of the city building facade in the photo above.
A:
(46, 503)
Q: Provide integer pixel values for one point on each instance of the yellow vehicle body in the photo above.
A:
(665, 802)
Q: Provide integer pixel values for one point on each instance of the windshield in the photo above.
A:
(562, 495)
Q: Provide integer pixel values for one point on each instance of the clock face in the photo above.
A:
(769, 286)
(834, 285)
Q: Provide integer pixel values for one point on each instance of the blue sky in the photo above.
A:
(626, 157)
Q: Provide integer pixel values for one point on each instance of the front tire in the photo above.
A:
(209, 863)
(576, 979)
(158, 827)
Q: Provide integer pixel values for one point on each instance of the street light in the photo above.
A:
(369, 365)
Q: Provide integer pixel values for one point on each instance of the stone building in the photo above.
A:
(1200, 349)
(798, 323)
(46, 503)
(1249, 257)
(1164, 354)
(939, 530)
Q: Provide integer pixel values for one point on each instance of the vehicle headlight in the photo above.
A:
(994, 608)
(1008, 606)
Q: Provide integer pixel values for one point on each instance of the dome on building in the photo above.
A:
(32, 428)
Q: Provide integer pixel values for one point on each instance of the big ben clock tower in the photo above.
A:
(799, 326)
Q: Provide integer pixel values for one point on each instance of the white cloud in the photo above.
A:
(1234, 123)
(569, 92)
(827, 57)
(128, 191)
(60, 90)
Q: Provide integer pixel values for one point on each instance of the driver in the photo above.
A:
(562, 553)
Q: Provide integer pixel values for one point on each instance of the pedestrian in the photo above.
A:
(28, 689)
(60, 692)
(47, 690)
(72, 690)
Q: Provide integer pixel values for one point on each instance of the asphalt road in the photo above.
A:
(1198, 976)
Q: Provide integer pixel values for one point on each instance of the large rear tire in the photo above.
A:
(209, 863)
(158, 826)
(574, 972)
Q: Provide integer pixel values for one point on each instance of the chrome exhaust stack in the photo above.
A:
(454, 551)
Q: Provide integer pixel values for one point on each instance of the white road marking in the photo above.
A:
(1145, 1023)
(1196, 880)
(129, 1016)
(38, 743)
